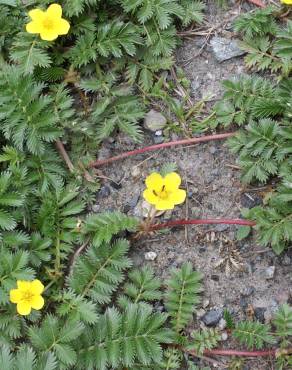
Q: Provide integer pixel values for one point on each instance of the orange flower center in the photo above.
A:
(162, 194)
(48, 23)
(27, 295)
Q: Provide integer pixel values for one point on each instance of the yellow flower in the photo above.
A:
(49, 24)
(164, 192)
(289, 2)
(27, 296)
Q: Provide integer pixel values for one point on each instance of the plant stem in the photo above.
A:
(234, 352)
(257, 3)
(209, 221)
(160, 146)
(64, 155)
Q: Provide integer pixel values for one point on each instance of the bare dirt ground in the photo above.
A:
(264, 280)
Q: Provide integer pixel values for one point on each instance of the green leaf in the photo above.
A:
(243, 232)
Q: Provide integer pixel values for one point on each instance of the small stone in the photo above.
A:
(158, 139)
(224, 336)
(215, 277)
(154, 121)
(104, 192)
(158, 133)
(225, 49)
(286, 261)
(247, 291)
(243, 303)
(206, 302)
(259, 313)
(200, 313)
(143, 209)
(150, 256)
(270, 272)
(213, 150)
(202, 250)
(135, 172)
(133, 201)
(222, 324)
(212, 317)
(95, 208)
(221, 227)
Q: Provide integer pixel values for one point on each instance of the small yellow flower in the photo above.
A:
(49, 24)
(288, 2)
(164, 192)
(27, 296)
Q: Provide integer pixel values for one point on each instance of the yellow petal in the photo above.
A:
(33, 27)
(36, 287)
(154, 182)
(23, 308)
(36, 14)
(150, 197)
(37, 302)
(15, 295)
(178, 196)
(23, 285)
(48, 35)
(289, 2)
(164, 204)
(62, 27)
(55, 10)
(172, 181)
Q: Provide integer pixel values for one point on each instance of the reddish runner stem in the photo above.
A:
(209, 221)
(257, 3)
(160, 146)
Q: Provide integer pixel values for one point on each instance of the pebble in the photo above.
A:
(286, 261)
(158, 139)
(154, 121)
(158, 133)
(150, 256)
(259, 313)
(200, 313)
(224, 336)
(222, 324)
(221, 227)
(215, 277)
(133, 201)
(206, 302)
(270, 272)
(104, 192)
(213, 150)
(247, 291)
(212, 317)
(224, 48)
(136, 172)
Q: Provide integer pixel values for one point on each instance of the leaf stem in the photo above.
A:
(160, 146)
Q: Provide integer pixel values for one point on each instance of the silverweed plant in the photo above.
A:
(71, 73)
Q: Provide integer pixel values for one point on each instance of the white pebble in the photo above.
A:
(224, 336)
(150, 256)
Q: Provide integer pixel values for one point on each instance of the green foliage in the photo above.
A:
(182, 295)
(283, 321)
(204, 339)
(136, 333)
(253, 334)
(229, 320)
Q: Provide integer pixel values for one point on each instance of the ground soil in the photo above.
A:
(214, 190)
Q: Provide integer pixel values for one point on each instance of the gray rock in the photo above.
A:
(222, 324)
(225, 49)
(221, 227)
(213, 149)
(154, 121)
(259, 313)
(224, 336)
(158, 139)
(104, 192)
(150, 256)
(95, 208)
(247, 291)
(212, 317)
(286, 261)
(270, 272)
(158, 133)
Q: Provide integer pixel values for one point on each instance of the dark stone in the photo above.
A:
(259, 313)
(225, 49)
(104, 192)
(215, 277)
(115, 185)
(243, 303)
(212, 317)
(246, 202)
(202, 250)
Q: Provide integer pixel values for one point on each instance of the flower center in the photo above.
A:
(162, 194)
(48, 23)
(27, 296)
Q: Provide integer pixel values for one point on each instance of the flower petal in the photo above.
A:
(23, 308)
(37, 302)
(178, 196)
(15, 295)
(154, 182)
(62, 27)
(37, 287)
(37, 15)
(23, 285)
(150, 197)
(172, 181)
(164, 204)
(55, 10)
(33, 27)
(48, 35)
